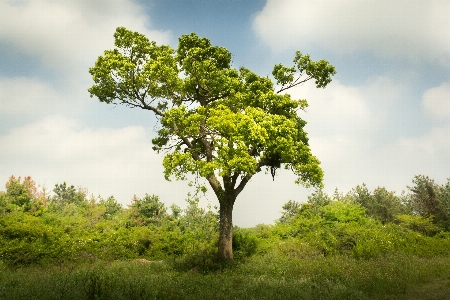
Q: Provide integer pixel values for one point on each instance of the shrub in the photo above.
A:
(245, 242)
(420, 224)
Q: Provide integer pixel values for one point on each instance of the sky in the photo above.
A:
(384, 118)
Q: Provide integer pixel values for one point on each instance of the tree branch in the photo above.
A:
(205, 142)
(234, 179)
(216, 186)
(295, 83)
(242, 184)
(143, 106)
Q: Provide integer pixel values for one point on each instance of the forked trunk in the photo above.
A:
(226, 229)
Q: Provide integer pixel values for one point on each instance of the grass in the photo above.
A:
(268, 276)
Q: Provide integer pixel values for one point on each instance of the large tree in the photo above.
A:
(216, 122)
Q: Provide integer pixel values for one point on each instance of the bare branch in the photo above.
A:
(295, 83)
(234, 178)
(215, 185)
(205, 142)
(242, 184)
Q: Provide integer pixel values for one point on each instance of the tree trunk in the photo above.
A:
(226, 228)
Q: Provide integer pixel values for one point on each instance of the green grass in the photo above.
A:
(268, 276)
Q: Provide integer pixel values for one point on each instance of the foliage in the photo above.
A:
(429, 199)
(325, 226)
(216, 122)
(270, 276)
(381, 205)
(245, 242)
(418, 223)
(22, 196)
(290, 209)
(86, 229)
(318, 198)
(3, 203)
(343, 213)
(112, 207)
(67, 194)
(199, 229)
(237, 115)
(148, 210)
(355, 224)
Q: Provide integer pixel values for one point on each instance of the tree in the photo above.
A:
(23, 195)
(319, 198)
(290, 209)
(387, 205)
(444, 198)
(381, 205)
(65, 194)
(112, 207)
(148, 210)
(198, 225)
(424, 196)
(216, 122)
(428, 199)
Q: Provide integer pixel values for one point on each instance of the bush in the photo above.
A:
(25, 239)
(419, 224)
(245, 243)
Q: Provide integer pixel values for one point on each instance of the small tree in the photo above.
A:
(112, 207)
(424, 197)
(23, 195)
(388, 205)
(429, 199)
(65, 194)
(319, 198)
(198, 225)
(381, 205)
(216, 121)
(148, 210)
(290, 209)
(444, 198)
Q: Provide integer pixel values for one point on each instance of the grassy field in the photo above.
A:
(268, 276)
(345, 247)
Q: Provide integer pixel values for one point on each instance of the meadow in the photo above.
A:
(359, 245)
(260, 277)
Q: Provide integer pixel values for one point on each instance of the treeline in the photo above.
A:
(38, 227)
(366, 223)
(425, 204)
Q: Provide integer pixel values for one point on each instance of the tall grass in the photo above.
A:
(268, 276)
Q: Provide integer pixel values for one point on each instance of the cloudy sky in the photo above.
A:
(383, 119)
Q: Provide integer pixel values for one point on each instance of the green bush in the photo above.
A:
(25, 239)
(420, 224)
(72, 228)
(341, 212)
(245, 242)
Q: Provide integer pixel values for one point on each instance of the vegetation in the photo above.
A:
(260, 277)
(359, 245)
(216, 122)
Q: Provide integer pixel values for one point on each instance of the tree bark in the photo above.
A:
(226, 226)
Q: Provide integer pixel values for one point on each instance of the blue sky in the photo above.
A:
(383, 119)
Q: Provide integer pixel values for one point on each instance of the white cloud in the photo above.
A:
(427, 154)
(68, 36)
(436, 101)
(349, 126)
(348, 162)
(349, 110)
(21, 95)
(411, 29)
(117, 162)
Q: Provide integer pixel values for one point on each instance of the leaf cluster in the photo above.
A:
(214, 119)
